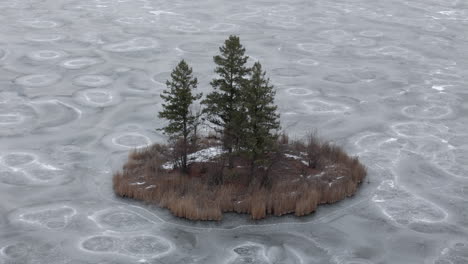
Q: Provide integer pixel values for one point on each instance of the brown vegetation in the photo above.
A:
(299, 177)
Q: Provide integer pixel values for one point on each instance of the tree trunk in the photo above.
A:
(230, 158)
(184, 149)
(252, 167)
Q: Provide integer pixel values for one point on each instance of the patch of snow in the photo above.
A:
(292, 156)
(296, 158)
(168, 166)
(150, 187)
(316, 175)
(137, 183)
(203, 155)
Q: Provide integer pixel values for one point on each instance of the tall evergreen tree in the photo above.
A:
(223, 105)
(178, 99)
(262, 119)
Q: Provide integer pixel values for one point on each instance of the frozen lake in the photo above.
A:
(79, 87)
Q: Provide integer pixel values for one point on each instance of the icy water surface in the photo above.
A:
(79, 88)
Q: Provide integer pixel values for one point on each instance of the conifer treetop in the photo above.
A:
(230, 65)
(222, 104)
(262, 119)
(178, 98)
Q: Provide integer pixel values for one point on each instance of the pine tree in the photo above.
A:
(178, 99)
(223, 105)
(262, 120)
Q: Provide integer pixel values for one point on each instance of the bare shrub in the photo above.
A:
(283, 139)
(313, 149)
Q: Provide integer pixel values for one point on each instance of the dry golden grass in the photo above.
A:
(335, 176)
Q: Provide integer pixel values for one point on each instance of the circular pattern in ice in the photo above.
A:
(45, 37)
(16, 159)
(97, 97)
(316, 48)
(379, 160)
(198, 47)
(344, 78)
(336, 36)
(134, 21)
(442, 98)
(185, 28)
(40, 24)
(249, 253)
(21, 168)
(101, 243)
(132, 45)
(17, 178)
(404, 207)
(120, 220)
(17, 118)
(126, 140)
(417, 129)
(283, 22)
(365, 75)
(300, 91)
(40, 114)
(43, 55)
(427, 147)
(146, 245)
(131, 140)
(16, 250)
(223, 27)
(371, 33)
(80, 63)
(393, 51)
(324, 107)
(453, 162)
(9, 119)
(92, 80)
(427, 111)
(288, 72)
(434, 27)
(308, 62)
(38, 80)
(52, 217)
(161, 78)
(381, 142)
(362, 42)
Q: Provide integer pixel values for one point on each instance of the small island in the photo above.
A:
(245, 163)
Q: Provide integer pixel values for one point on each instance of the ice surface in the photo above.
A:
(79, 88)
